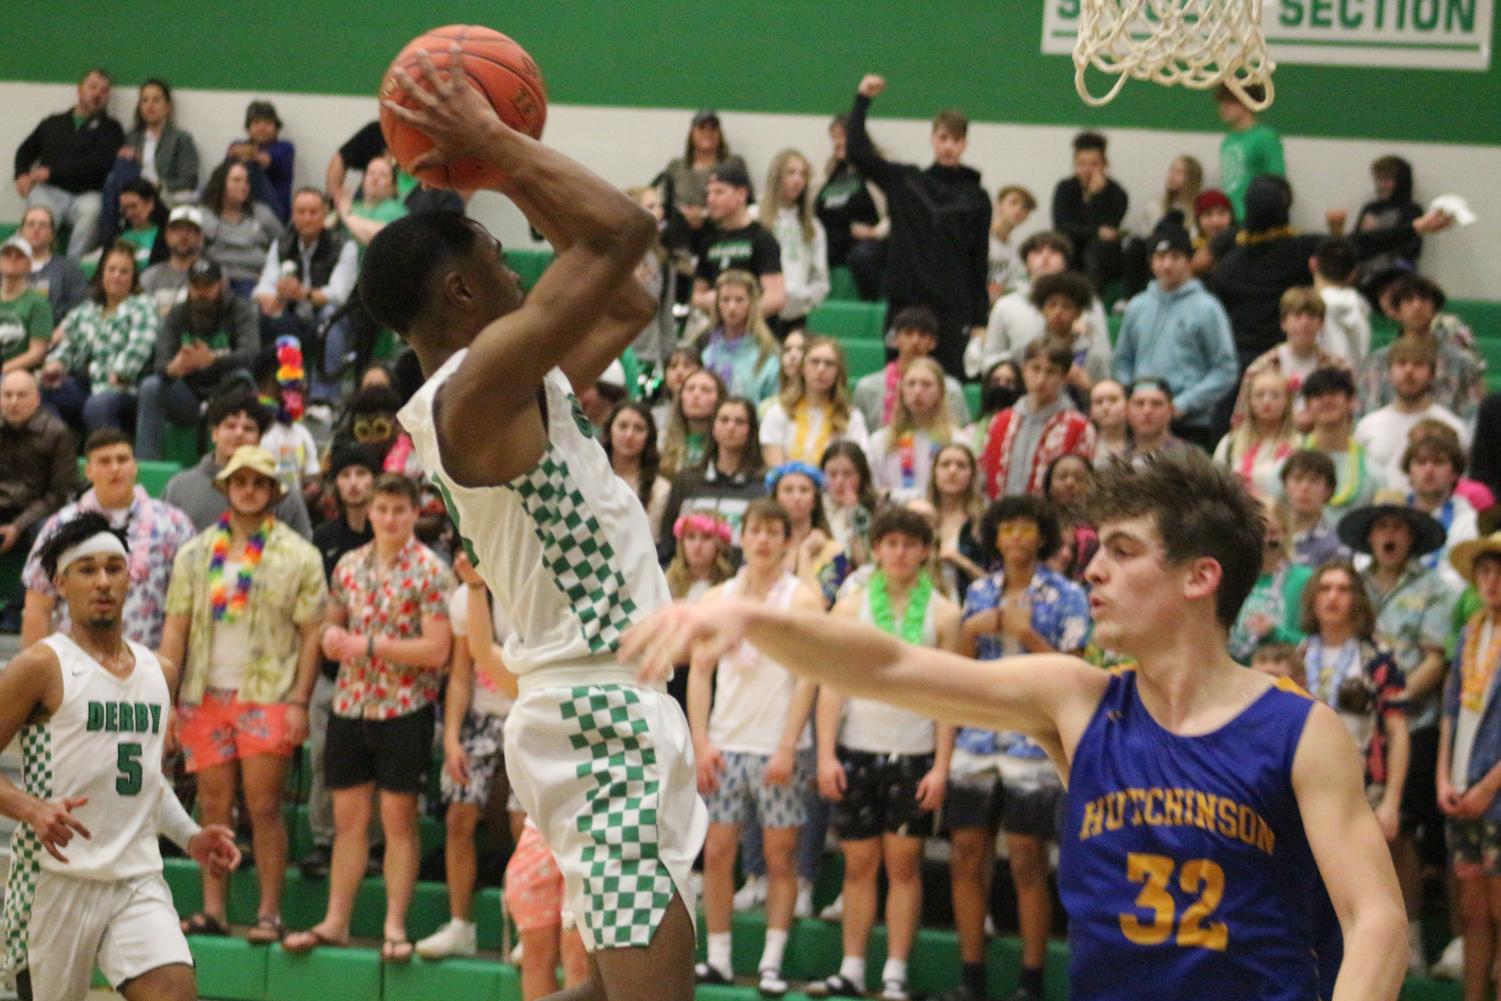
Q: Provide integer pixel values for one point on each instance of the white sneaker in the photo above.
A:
(835, 910)
(515, 957)
(456, 938)
(1451, 963)
(752, 894)
(989, 926)
(804, 906)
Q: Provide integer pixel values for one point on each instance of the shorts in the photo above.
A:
(880, 796)
(743, 795)
(1032, 798)
(534, 883)
(482, 737)
(1420, 812)
(127, 927)
(972, 801)
(605, 771)
(1475, 847)
(221, 728)
(395, 754)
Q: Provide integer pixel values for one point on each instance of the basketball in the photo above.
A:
(497, 67)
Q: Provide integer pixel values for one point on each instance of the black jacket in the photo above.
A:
(79, 158)
(1079, 218)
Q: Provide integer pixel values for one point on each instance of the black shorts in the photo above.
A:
(968, 804)
(1035, 810)
(395, 754)
(1420, 813)
(1032, 807)
(880, 796)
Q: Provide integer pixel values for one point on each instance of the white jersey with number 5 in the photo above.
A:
(565, 547)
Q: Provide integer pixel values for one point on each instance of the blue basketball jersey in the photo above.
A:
(1184, 866)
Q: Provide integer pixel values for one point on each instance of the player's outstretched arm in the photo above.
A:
(1353, 860)
(1052, 701)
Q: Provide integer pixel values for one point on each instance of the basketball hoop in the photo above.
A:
(1175, 43)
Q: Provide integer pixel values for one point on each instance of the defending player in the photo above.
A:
(1206, 802)
(92, 708)
(603, 765)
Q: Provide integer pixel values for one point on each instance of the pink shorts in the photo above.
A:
(221, 728)
(534, 883)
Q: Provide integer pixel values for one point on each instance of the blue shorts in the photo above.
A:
(742, 794)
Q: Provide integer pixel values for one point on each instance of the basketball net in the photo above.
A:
(1175, 43)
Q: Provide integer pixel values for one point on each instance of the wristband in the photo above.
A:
(173, 821)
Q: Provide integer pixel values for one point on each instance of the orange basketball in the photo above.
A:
(497, 67)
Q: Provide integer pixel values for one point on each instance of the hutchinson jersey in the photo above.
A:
(1184, 866)
(565, 547)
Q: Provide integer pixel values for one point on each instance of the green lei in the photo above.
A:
(917, 607)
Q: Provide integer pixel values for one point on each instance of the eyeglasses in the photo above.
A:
(373, 427)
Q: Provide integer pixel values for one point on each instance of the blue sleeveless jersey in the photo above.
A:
(1183, 862)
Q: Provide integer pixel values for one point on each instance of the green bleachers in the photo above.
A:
(153, 475)
(528, 264)
(849, 320)
(842, 285)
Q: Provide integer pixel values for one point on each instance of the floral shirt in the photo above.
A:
(1416, 615)
(1319, 544)
(286, 594)
(415, 587)
(1272, 612)
(100, 346)
(1368, 672)
(1458, 383)
(155, 532)
(1060, 614)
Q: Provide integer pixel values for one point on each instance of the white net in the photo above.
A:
(1175, 43)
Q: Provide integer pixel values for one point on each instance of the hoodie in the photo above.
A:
(1182, 336)
(1380, 213)
(1347, 324)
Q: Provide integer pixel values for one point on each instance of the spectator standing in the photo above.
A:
(1107, 412)
(1347, 313)
(1250, 149)
(1330, 396)
(849, 497)
(368, 144)
(914, 333)
(1302, 314)
(677, 366)
(238, 231)
(1308, 481)
(816, 556)
(630, 441)
(1432, 464)
(853, 214)
(1458, 372)
(1024, 439)
(739, 347)
(1214, 224)
(701, 559)
(1263, 436)
(167, 281)
(1063, 301)
(1149, 413)
(155, 150)
(737, 242)
(732, 475)
(937, 254)
(705, 150)
(1393, 205)
(243, 615)
(1273, 611)
(57, 277)
(1410, 365)
(1089, 207)
(814, 410)
(269, 157)
(62, 164)
(1069, 481)
(1013, 205)
(39, 474)
(902, 453)
(377, 205)
(787, 211)
(25, 313)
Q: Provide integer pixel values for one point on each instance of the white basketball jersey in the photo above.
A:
(880, 728)
(565, 547)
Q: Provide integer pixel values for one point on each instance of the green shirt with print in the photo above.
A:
(24, 319)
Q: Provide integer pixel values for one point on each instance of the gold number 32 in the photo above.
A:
(1200, 877)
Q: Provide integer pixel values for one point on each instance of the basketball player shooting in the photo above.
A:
(1209, 808)
(603, 765)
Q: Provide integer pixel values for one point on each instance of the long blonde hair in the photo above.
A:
(771, 203)
(974, 500)
(941, 429)
(675, 442)
(1244, 435)
(840, 405)
(755, 323)
(1193, 183)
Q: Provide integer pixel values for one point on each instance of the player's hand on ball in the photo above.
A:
(872, 84)
(453, 114)
(55, 824)
(214, 849)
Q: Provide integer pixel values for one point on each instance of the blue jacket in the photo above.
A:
(1182, 336)
(1486, 750)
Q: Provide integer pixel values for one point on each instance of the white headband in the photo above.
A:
(100, 543)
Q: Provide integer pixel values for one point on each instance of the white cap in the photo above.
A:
(18, 241)
(186, 213)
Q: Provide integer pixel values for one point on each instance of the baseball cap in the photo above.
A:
(704, 116)
(17, 242)
(204, 271)
(1172, 239)
(732, 174)
(191, 214)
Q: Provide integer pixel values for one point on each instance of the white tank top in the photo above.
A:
(885, 729)
(565, 548)
(104, 742)
(753, 693)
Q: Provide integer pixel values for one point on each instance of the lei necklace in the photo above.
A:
(228, 607)
(917, 607)
(801, 448)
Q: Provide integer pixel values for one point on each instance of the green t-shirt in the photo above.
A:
(144, 240)
(1245, 156)
(23, 319)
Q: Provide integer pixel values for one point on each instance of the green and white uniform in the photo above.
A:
(603, 766)
(108, 904)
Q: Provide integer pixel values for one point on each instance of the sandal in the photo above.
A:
(299, 943)
(265, 931)
(204, 923)
(396, 950)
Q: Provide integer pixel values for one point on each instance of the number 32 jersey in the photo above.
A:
(1184, 865)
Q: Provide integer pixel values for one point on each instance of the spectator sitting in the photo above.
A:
(1459, 373)
(1214, 224)
(732, 475)
(62, 164)
(237, 230)
(1274, 609)
(39, 475)
(90, 377)
(937, 254)
(155, 530)
(155, 150)
(853, 213)
(690, 173)
(1308, 481)
(658, 274)
(1383, 433)
(914, 333)
(1180, 192)
(1063, 299)
(1477, 493)
(1263, 436)
(1107, 412)
(209, 340)
(1149, 413)
(25, 313)
(1249, 150)
(1347, 314)
(269, 157)
(790, 368)
(1001, 388)
(1013, 204)
(1330, 396)
(739, 347)
(145, 221)
(676, 367)
(814, 410)
(954, 492)
(234, 419)
(902, 453)
(167, 281)
(1392, 205)
(1089, 207)
(687, 437)
(1023, 440)
(787, 211)
(630, 441)
(702, 557)
(1177, 327)
(738, 243)
(850, 500)
(1302, 313)
(1432, 464)
(369, 143)
(378, 203)
(59, 278)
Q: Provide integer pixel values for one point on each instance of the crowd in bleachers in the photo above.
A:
(306, 579)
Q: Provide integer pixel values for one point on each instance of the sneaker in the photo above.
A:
(1451, 962)
(835, 910)
(894, 990)
(771, 983)
(804, 906)
(515, 957)
(314, 865)
(752, 894)
(704, 974)
(456, 938)
(838, 986)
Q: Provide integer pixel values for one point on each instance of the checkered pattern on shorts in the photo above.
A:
(25, 851)
(628, 887)
(576, 551)
(742, 794)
